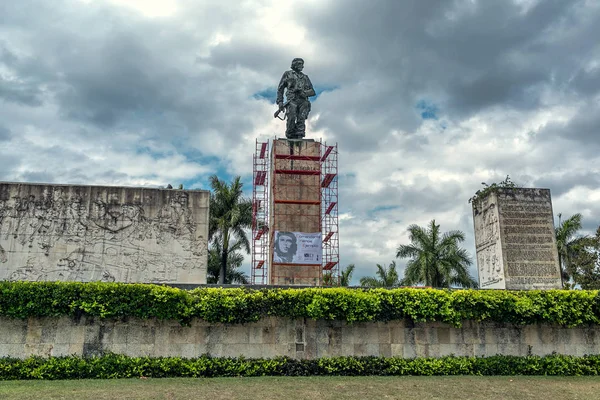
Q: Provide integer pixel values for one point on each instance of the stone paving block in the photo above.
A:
(76, 348)
(514, 335)
(424, 335)
(120, 333)
(509, 349)
(12, 350)
(42, 350)
(471, 336)
(255, 334)
(335, 336)
(456, 335)
(385, 350)
(59, 350)
(446, 350)
(410, 336)
(384, 334)
(443, 335)
(161, 335)
(397, 333)
(34, 334)
(590, 336)
(215, 350)
(582, 350)
(422, 350)
(348, 334)
(49, 332)
(549, 336)
(235, 334)
(347, 349)
(491, 349)
(132, 350)
(578, 336)
(13, 331)
(433, 350)
(177, 335)
(284, 334)
(268, 334)
(531, 335)
(68, 333)
(91, 333)
(409, 351)
(479, 349)
(321, 335)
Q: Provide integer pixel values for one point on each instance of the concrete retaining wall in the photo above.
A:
(300, 339)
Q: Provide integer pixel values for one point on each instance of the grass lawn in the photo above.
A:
(307, 388)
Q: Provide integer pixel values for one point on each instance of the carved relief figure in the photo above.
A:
(54, 237)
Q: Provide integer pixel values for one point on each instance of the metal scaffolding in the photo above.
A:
(329, 211)
(291, 184)
(260, 213)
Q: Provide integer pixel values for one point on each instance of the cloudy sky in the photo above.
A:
(426, 100)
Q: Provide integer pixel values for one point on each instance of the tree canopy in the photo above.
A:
(435, 258)
(230, 215)
(234, 262)
(386, 277)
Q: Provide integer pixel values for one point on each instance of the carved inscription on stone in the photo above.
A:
(87, 233)
(526, 230)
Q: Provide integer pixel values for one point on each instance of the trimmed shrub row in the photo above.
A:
(119, 366)
(117, 300)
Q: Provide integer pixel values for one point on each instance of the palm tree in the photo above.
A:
(567, 242)
(230, 215)
(328, 279)
(387, 277)
(346, 275)
(234, 262)
(436, 259)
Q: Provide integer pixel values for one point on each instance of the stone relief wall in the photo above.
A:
(488, 244)
(110, 234)
(515, 242)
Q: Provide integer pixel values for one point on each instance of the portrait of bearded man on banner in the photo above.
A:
(285, 247)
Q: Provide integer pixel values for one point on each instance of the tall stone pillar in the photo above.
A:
(515, 240)
(295, 217)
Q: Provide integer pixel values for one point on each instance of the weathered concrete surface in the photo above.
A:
(295, 217)
(302, 339)
(515, 241)
(97, 233)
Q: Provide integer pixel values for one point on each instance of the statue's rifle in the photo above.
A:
(276, 115)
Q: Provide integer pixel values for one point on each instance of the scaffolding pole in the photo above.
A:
(329, 212)
(260, 214)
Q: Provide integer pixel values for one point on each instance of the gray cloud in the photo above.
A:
(5, 133)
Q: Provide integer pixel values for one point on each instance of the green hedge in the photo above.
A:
(117, 300)
(120, 366)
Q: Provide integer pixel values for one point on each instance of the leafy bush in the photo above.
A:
(117, 300)
(119, 366)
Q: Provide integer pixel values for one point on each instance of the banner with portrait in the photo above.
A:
(297, 248)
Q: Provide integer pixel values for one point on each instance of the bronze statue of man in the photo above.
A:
(299, 89)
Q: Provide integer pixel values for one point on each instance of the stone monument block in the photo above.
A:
(295, 206)
(515, 241)
(98, 233)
